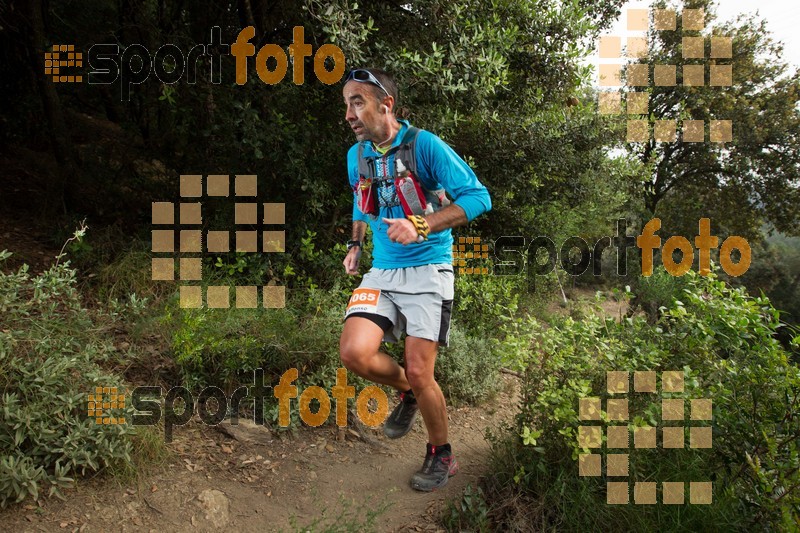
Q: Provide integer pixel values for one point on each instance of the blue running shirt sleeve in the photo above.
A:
(439, 166)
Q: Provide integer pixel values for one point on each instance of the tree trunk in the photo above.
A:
(651, 202)
(57, 185)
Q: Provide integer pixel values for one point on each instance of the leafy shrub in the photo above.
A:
(49, 354)
(484, 302)
(468, 370)
(469, 513)
(213, 346)
(654, 292)
(222, 347)
(724, 342)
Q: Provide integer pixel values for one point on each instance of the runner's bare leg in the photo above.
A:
(420, 357)
(359, 351)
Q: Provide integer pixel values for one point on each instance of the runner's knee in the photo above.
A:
(419, 377)
(355, 353)
(360, 341)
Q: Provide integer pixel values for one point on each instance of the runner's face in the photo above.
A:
(364, 112)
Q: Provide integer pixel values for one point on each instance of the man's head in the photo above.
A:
(370, 96)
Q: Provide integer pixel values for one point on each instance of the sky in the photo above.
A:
(782, 16)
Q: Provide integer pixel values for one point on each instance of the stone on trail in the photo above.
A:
(245, 431)
(216, 507)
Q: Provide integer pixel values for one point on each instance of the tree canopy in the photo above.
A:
(751, 179)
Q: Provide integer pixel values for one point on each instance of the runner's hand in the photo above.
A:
(401, 230)
(351, 260)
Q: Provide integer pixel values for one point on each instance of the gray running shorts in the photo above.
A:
(415, 300)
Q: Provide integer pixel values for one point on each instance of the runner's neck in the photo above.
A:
(384, 146)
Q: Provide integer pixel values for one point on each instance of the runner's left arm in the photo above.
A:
(441, 164)
(451, 216)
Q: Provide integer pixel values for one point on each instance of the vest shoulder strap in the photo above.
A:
(409, 148)
(366, 165)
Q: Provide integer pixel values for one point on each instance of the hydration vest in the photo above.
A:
(373, 191)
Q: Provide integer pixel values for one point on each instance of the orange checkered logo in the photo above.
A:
(470, 248)
(617, 432)
(62, 56)
(693, 72)
(192, 239)
(102, 402)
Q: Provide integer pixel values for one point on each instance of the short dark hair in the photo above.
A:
(387, 80)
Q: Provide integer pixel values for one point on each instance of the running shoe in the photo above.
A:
(439, 465)
(402, 418)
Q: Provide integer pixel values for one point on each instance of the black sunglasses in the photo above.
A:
(365, 76)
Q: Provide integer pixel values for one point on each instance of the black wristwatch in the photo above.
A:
(351, 244)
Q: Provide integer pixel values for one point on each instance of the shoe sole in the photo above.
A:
(453, 471)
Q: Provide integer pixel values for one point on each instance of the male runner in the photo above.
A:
(410, 285)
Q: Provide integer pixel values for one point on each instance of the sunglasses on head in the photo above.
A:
(365, 76)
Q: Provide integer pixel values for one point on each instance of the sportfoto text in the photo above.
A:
(513, 254)
(169, 64)
(147, 403)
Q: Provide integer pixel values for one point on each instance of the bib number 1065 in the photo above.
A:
(361, 297)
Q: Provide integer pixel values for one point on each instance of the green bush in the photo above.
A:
(217, 346)
(469, 513)
(49, 354)
(724, 342)
(468, 370)
(485, 302)
(222, 347)
(654, 292)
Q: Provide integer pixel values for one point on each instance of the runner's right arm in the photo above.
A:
(354, 254)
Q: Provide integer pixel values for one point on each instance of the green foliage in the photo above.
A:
(656, 291)
(724, 342)
(50, 348)
(485, 302)
(129, 273)
(468, 513)
(213, 346)
(468, 369)
(222, 347)
(737, 184)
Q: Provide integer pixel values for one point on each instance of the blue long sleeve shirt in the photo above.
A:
(438, 166)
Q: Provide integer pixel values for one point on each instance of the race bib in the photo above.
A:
(363, 301)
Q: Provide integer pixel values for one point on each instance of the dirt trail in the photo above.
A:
(317, 473)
